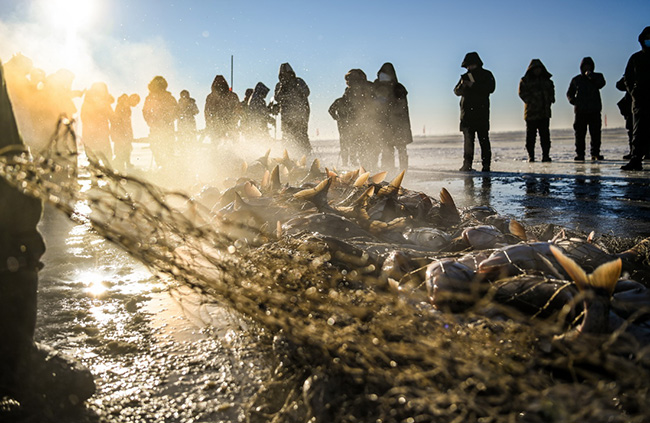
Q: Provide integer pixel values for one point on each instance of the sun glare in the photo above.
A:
(71, 15)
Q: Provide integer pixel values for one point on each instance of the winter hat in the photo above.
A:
(587, 61)
(471, 58)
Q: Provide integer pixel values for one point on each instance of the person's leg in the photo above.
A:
(531, 134)
(580, 130)
(595, 128)
(545, 139)
(486, 149)
(468, 149)
(640, 139)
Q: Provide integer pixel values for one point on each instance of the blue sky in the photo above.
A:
(127, 42)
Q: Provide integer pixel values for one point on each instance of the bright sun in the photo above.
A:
(71, 15)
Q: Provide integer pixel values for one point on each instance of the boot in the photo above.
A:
(467, 167)
(633, 165)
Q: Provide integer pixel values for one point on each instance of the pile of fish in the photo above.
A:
(410, 243)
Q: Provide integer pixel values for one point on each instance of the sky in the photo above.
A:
(125, 43)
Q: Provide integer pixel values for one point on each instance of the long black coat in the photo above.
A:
(637, 79)
(475, 100)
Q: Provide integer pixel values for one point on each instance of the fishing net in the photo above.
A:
(347, 348)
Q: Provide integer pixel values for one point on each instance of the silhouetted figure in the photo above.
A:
(259, 115)
(122, 130)
(637, 81)
(625, 107)
(96, 114)
(187, 110)
(356, 115)
(394, 122)
(222, 111)
(538, 93)
(584, 94)
(32, 374)
(291, 96)
(474, 88)
(160, 111)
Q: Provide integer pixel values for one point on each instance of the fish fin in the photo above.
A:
(266, 180)
(330, 173)
(393, 187)
(347, 178)
(251, 190)
(285, 155)
(606, 275)
(448, 204)
(284, 171)
(362, 202)
(244, 167)
(517, 229)
(303, 161)
(278, 229)
(362, 179)
(378, 178)
(265, 158)
(275, 179)
(572, 268)
(317, 195)
(590, 238)
(362, 170)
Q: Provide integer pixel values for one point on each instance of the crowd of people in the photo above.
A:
(372, 116)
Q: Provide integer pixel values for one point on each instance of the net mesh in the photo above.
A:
(348, 349)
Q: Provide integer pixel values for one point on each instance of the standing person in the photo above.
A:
(258, 114)
(160, 112)
(356, 117)
(291, 96)
(187, 110)
(538, 93)
(474, 89)
(584, 94)
(637, 82)
(33, 374)
(222, 110)
(122, 130)
(96, 115)
(244, 124)
(394, 118)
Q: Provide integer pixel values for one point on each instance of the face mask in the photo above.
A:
(646, 43)
(384, 77)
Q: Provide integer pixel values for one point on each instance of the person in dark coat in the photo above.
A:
(584, 95)
(356, 115)
(122, 130)
(96, 115)
(625, 107)
(538, 93)
(186, 126)
(222, 111)
(291, 96)
(30, 373)
(637, 82)
(474, 88)
(259, 116)
(160, 111)
(394, 120)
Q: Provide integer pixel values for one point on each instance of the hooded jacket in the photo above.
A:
(160, 109)
(259, 116)
(637, 75)
(222, 108)
(584, 90)
(291, 94)
(393, 107)
(475, 99)
(537, 92)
